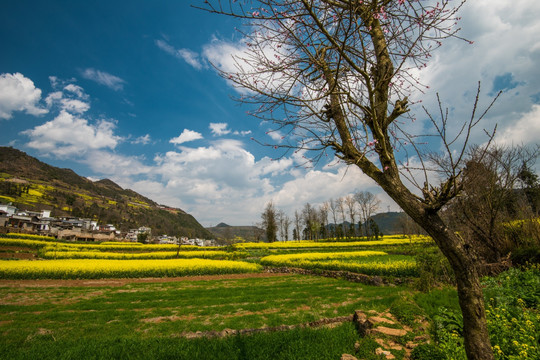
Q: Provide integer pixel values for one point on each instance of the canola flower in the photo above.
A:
(100, 268)
(105, 246)
(398, 240)
(364, 238)
(364, 262)
(121, 243)
(127, 247)
(36, 244)
(515, 331)
(521, 222)
(27, 236)
(66, 253)
(321, 256)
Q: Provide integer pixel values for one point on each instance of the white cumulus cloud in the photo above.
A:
(143, 140)
(72, 99)
(68, 135)
(219, 129)
(185, 136)
(524, 130)
(116, 166)
(18, 93)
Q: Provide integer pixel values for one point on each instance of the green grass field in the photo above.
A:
(151, 319)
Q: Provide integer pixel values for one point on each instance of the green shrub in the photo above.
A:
(526, 255)
(406, 311)
(512, 300)
(513, 285)
(433, 268)
(427, 352)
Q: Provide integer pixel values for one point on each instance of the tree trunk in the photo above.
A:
(471, 297)
(471, 301)
(461, 257)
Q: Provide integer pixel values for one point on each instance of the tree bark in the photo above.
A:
(471, 297)
(462, 260)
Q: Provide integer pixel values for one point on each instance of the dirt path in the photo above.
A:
(122, 282)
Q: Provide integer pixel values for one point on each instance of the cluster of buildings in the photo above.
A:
(78, 229)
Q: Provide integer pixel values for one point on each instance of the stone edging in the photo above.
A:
(230, 332)
(347, 275)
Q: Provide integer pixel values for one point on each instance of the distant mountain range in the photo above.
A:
(30, 184)
(389, 223)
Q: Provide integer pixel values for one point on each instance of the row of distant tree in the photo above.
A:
(348, 216)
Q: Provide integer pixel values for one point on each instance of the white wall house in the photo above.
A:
(9, 209)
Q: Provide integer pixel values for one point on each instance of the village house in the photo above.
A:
(66, 228)
(166, 239)
(133, 234)
(3, 218)
(78, 229)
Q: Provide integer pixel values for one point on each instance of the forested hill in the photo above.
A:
(227, 232)
(33, 185)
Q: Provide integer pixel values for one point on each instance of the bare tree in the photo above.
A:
(323, 215)
(334, 210)
(279, 216)
(336, 75)
(529, 183)
(490, 198)
(311, 222)
(297, 224)
(368, 204)
(287, 225)
(340, 203)
(284, 225)
(350, 202)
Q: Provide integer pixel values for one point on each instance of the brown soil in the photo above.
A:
(17, 252)
(18, 256)
(122, 282)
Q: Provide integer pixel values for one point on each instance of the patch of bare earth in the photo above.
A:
(160, 319)
(45, 298)
(17, 253)
(372, 324)
(328, 322)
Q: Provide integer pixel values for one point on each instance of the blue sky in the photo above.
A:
(125, 90)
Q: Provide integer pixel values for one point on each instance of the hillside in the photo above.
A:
(33, 185)
(226, 232)
(389, 223)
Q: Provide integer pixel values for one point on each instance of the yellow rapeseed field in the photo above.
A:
(364, 262)
(50, 243)
(67, 253)
(99, 268)
(291, 258)
(390, 240)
